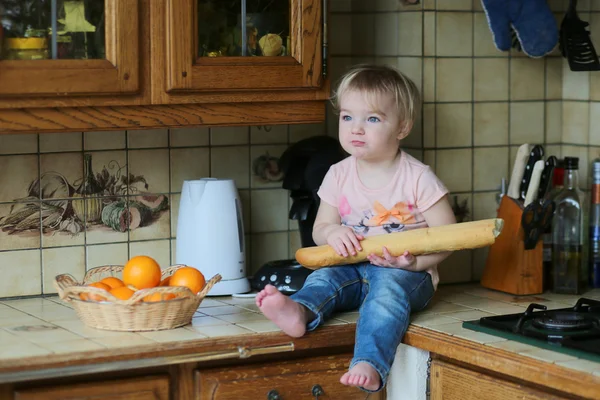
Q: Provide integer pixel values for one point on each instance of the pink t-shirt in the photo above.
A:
(394, 208)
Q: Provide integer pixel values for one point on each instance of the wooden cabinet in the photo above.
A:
(147, 388)
(158, 69)
(114, 70)
(453, 382)
(297, 379)
(285, 64)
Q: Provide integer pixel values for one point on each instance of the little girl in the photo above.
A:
(378, 189)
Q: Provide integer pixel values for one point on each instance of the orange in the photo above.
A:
(122, 293)
(188, 277)
(159, 297)
(112, 282)
(165, 282)
(142, 272)
(95, 297)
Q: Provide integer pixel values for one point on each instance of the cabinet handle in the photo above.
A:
(317, 391)
(274, 395)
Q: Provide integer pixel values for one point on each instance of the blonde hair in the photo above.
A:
(378, 80)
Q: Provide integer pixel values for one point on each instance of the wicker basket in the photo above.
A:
(132, 314)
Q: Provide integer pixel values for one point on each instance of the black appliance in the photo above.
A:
(304, 165)
(574, 330)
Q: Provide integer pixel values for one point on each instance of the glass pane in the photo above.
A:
(27, 29)
(221, 23)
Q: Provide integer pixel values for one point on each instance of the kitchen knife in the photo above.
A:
(517, 172)
(547, 174)
(534, 183)
(537, 153)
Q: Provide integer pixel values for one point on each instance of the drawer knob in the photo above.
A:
(274, 395)
(317, 391)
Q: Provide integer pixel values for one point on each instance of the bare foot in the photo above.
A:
(288, 315)
(362, 375)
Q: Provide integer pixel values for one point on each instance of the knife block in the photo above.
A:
(509, 267)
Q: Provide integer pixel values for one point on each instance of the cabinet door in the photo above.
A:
(288, 380)
(244, 45)
(69, 47)
(149, 388)
(451, 382)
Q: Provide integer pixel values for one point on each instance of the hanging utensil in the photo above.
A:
(575, 43)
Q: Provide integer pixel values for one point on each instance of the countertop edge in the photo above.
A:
(499, 361)
(504, 362)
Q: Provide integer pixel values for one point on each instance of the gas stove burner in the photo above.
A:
(563, 321)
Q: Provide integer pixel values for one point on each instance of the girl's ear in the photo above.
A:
(405, 128)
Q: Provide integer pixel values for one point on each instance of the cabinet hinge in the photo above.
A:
(325, 40)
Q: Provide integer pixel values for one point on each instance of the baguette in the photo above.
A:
(437, 239)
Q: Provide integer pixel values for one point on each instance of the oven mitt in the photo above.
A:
(532, 20)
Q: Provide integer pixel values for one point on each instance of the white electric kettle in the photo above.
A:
(210, 233)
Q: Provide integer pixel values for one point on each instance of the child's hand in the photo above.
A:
(406, 261)
(344, 240)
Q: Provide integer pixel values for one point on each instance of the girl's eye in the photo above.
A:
(346, 118)
(373, 119)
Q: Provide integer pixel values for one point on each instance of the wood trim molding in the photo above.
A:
(37, 120)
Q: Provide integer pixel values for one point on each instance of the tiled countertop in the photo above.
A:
(48, 326)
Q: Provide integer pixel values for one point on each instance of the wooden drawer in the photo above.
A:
(451, 382)
(293, 380)
(147, 388)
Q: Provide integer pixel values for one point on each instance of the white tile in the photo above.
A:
(172, 335)
(547, 355)
(269, 210)
(223, 330)
(243, 317)
(453, 125)
(580, 365)
(468, 315)
(147, 138)
(454, 34)
(445, 307)
(24, 280)
(260, 326)
(229, 135)
(184, 137)
(222, 310)
(410, 34)
(103, 140)
(72, 346)
(188, 164)
(386, 34)
(18, 143)
(62, 260)
(268, 134)
(124, 340)
(22, 351)
(431, 319)
(512, 346)
(57, 142)
(206, 321)
(16, 174)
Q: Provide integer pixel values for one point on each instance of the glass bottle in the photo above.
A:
(557, 186)
(594, 267)
(89, 210)
(569, 262)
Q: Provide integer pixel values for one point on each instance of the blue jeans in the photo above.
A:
(385, 298)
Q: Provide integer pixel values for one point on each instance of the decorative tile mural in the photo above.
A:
(110, 198)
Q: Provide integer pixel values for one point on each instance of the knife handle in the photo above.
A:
(534, 183)
(547, 175)
(517, 172)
